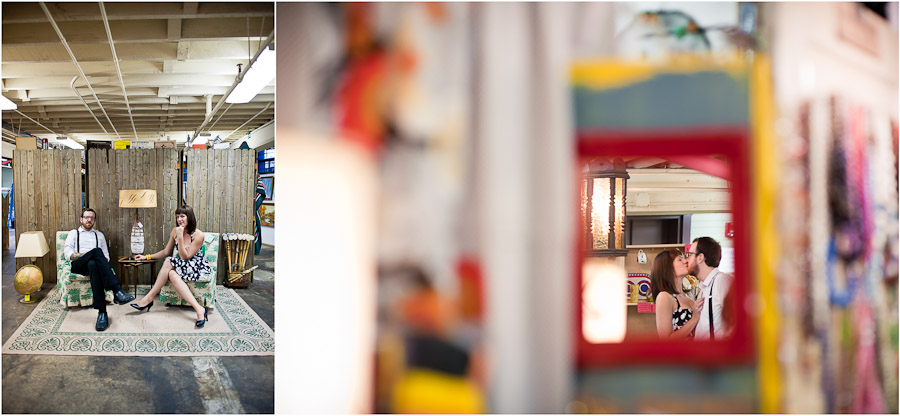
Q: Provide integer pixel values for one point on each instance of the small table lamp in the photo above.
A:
(137, 198)
(29, 278)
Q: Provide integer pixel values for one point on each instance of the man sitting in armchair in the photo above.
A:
(87, 249)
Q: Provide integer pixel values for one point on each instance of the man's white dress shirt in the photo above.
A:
(88, 240)
(720, 283)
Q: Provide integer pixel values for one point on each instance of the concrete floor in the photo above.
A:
(84, 384)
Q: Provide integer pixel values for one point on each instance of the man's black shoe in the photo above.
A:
(102, 321)
(123, 298)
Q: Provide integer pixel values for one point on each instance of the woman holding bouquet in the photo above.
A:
(676, 313)
(184, 262)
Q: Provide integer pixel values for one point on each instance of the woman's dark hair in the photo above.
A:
(191, 220)
(662, 274)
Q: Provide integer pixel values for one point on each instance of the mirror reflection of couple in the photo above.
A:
(87, 249)
(677, 315)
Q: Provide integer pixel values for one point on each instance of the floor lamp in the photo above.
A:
(29, 279)
(137, 198)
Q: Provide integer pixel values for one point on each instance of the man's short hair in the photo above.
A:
(89, 210)
(711, 250)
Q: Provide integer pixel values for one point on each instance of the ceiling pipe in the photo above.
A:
(77, 94)
(77, 65)
(248, 120)
(220, 117)
(237, 81)
(15, 130)
(35, 122)
(112, 48)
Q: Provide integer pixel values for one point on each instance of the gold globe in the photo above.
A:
(28, 280)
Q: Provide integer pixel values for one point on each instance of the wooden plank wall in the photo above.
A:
(221, 187)
(48, 198)
(109, 171)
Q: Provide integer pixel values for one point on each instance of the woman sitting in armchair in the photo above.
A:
(186, 263)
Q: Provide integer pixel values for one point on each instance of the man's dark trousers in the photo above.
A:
(94, 264)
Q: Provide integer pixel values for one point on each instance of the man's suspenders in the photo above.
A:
(78, 240)
(712, 326)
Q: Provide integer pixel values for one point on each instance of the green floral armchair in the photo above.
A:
(74, 288)
(204, 290)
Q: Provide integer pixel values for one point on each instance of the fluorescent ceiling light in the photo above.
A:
(260, 74)
(72, 144)
(6, 104)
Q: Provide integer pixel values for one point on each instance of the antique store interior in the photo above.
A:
(174, 102)
(477, 196)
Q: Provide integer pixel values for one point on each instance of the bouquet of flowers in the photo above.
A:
(691, 286)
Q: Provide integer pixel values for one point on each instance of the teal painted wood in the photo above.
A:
(666, 100)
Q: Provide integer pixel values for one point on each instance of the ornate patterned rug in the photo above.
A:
(232, 329)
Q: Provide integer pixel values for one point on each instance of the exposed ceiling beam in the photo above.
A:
(158, 80)
(131, 68)
(190, 8)
(116, 93)
(266, 96)
(112, 47)
(151, 51)
(174, 29)
(72, 12)
(62, 39)
(164, 94)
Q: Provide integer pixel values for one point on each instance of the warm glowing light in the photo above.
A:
(604, 309)
(600, 214)
(603, 207)
(584, 198)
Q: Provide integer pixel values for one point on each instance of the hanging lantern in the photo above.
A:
(603, 207)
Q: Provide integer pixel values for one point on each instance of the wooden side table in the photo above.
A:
(129, 264)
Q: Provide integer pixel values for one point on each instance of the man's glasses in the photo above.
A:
(688, 255)
(89, 218)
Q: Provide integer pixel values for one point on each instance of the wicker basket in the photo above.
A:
(239, 279)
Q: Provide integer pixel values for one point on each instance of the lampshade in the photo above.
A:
(32, 244)
(137, 198)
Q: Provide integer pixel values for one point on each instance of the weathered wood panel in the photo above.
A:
(112, 170)
(220, 188)
(48, 198)
(48, 195)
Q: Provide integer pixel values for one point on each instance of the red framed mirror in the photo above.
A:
(601, 336)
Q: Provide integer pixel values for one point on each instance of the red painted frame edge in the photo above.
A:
(729, 141)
